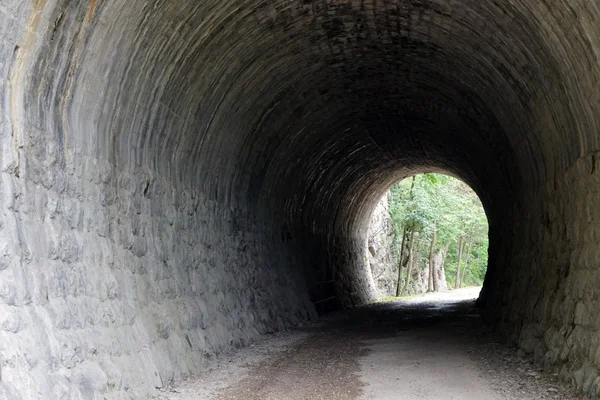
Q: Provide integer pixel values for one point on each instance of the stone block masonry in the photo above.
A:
(113, 284)
(177, 176)
(556, 257)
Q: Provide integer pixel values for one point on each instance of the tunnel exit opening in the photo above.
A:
(428, 233)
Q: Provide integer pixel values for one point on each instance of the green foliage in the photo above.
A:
(429, 202)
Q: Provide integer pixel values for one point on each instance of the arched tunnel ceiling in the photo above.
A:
(190, 174)
(302, 104)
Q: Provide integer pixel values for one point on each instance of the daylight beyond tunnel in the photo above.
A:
(180, 177)
(427, 234)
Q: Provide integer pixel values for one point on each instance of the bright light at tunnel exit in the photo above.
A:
(428, 233)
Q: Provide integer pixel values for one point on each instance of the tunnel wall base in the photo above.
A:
(354, 280)
(114, 282)
(546, 290)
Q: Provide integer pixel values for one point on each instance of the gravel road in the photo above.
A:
(429, 347)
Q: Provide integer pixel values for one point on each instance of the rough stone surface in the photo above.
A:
(560, 324)
(379, 250)
(121, 271)
(177, 176)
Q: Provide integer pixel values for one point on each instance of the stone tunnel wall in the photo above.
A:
(547, 296)
(115, 277)
(179, 176)
(113, 282)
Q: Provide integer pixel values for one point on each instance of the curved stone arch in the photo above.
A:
(249, 139)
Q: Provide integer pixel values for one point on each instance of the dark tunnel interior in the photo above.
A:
(196, 169)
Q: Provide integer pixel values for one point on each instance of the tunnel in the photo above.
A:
(182, 177)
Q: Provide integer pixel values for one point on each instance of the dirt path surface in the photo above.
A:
(430, 347)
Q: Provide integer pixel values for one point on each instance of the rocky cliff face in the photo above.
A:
(379, 249)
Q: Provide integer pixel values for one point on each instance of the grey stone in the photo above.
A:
(250, 142)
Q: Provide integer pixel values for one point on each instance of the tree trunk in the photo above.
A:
(467, 259)
(401, 262)
(439, 277)
(409, 262)
(445, 254)
(461, 245)
(430, 287)
(409, 232)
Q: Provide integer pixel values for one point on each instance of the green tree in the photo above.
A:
(431, 212)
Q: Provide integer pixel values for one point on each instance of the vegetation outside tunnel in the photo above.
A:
(437, 237)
